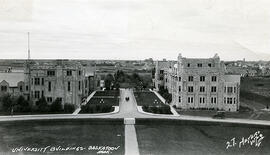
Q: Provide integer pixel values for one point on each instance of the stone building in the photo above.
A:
(12, 83)
(63, 79)
(160, 68)
(201, 84)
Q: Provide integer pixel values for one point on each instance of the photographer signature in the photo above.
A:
(253, 140)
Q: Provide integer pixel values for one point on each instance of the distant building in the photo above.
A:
(61, 79)
(12, 83)
(199, 83)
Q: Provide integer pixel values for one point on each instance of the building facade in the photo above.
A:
(201, 84)
(12, 83)
(61, 79)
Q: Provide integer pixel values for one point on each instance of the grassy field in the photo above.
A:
(79, 133)
(198, 139)
(257, 85)
(148, 98)
(102, 102)
(108, 97)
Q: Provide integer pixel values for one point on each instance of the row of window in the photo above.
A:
(201, 65)
(191, 78)
(229, 89)
(68, 86)
(37, 81)
(4, 88)
(202, 89)
(201, 99)
(38, 94)
(228, 100)
(69, 73)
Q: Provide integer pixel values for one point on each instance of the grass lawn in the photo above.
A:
(67, 133)
(147, 98)
(243, 113)
(102, 102)
(151, 103)
(198, 139)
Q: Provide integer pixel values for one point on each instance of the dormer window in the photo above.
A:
(188, 65)
(199, 65)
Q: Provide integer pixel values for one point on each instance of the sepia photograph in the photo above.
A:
(134, 77)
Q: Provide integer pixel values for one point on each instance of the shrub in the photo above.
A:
(69, 108)
(42, 105)
(56, 106)
(22, 105)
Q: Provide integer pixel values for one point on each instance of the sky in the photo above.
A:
(135, 29)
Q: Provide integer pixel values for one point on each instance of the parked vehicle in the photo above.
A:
(127, 98)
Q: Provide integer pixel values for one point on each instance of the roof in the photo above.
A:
(12, 78)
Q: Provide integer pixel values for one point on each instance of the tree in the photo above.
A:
(7, 102)
(42, 105)
(22, 105)
(108, 81)
(56, 106)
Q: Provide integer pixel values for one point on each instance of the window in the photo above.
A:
(79, 85)
(37, 81)
(202, 100)
(224, 100)
(179, 88)
(230, 89)
(68, 85)
(213, 89)
(42, 81)
(179, 99)
(213, 100)
(209, 65)
(166, 80)
(51, 73)
(188, 65)
(69, 72)
(161, 71)
(161, 78)
(49, 99)
(225, 89)
(229, 100)
(190, 99)
(80, 73)
(49, 86)
(26, 88)
(32, 81)
(202, 78)
(4, 88)
(190, 89)
(37, 94)
(190, 78)
(42, 93)
(234, 89)
(199, 65)
(202, 89)
(179, 78)
(234, 100)
(214, 78)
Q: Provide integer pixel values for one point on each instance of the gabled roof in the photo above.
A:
(12, 78)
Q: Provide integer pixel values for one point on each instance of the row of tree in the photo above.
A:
(12, 105)
(134, 80)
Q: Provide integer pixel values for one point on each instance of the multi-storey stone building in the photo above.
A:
(201, 84)
(61, 79)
